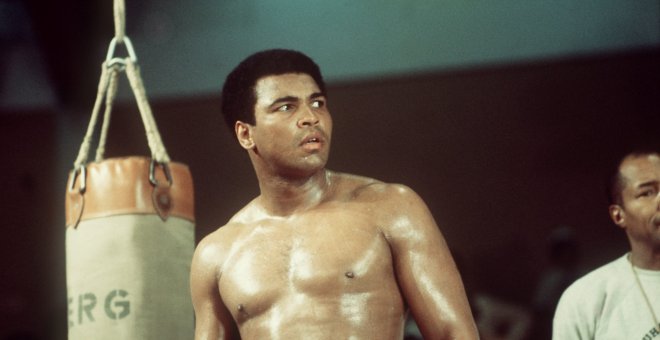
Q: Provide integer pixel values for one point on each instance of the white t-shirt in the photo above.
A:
(608, 304)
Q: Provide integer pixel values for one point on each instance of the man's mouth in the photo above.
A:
(312, 143)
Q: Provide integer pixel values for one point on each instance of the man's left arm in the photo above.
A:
(425, 269)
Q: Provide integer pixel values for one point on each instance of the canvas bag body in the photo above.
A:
(129, 244)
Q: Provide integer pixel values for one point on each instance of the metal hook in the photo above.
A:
(83, 179)
(152, 172)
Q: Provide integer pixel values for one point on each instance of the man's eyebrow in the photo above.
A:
(286, 99)
(316, 95)
(648, 184)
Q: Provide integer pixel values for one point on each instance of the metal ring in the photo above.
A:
(129, 48)
(152, 172)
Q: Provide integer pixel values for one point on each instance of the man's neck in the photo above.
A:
(284, 196)
(645, 258)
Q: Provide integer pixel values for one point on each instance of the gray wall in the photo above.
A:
(187, 48)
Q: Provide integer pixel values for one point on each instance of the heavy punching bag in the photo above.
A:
(130, 229)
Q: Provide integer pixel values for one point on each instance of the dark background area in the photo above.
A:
(502, 154)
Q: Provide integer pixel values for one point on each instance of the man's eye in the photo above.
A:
(318, 103)
(647, 193)
(285, 107)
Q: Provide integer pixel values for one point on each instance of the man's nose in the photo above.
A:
(307, 117)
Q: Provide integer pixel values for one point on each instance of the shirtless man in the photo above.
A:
(318, 254)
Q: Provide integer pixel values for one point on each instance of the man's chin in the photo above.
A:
(308, 166)
(315, 160)
(313, 166)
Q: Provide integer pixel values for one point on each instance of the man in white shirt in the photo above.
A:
(621, 300)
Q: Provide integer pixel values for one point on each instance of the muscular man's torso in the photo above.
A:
(325, 273)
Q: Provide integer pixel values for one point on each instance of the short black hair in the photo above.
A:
(238, 96)
(616, 181)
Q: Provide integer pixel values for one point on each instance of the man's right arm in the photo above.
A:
(212, 319)
(569, 321)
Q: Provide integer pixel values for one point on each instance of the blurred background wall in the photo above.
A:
(504, 116)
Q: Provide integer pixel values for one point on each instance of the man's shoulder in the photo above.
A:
(591, 302)
(213, 249)
(396, 208)
(370, 189)
(220, 240)
(598, 281)
(604, 271)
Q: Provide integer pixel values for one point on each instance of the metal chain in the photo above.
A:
(641, 289)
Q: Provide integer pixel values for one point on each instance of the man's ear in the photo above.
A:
(244, 134)
(617, 215)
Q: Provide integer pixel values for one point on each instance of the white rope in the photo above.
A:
(87, 141)
(120, 20)
(107, 88)
(109, 99)
(156, 145)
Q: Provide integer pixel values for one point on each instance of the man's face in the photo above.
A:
(293, 125)
(639, 213)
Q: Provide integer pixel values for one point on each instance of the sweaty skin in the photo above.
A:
(320, 254)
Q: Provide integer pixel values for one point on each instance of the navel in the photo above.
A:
(349, 274)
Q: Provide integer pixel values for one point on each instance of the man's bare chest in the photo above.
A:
(321, 254)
